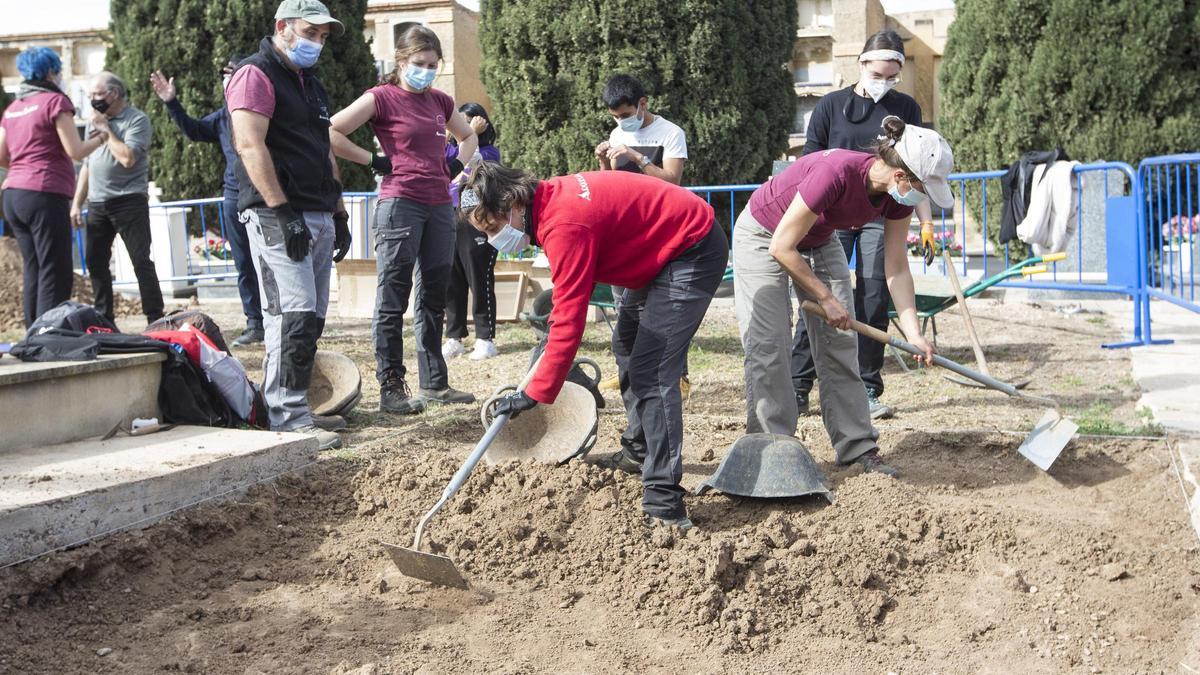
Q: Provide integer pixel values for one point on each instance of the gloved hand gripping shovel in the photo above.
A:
(439, 569)
(1042, 446)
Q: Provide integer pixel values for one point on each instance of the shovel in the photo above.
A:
(1042, 446)
(966, 315)
(440, 569)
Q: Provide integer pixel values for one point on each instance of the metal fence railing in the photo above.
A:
(1171, 211)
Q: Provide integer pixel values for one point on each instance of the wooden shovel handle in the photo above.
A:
(870, 331)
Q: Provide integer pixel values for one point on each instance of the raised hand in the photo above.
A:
(165, 88)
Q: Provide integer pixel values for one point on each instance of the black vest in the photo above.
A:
(297, 138)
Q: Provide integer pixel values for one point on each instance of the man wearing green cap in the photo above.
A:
(290, 199)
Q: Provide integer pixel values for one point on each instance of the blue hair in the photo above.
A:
(36, 63)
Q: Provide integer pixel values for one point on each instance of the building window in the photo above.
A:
(814, 67)
(804, 110)
(815, 13)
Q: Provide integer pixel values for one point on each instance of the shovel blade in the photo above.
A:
(1043, 445)
(436, 569)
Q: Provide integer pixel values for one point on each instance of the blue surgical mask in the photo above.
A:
(509, 239)
(632, 123)
(418, 77)
(304, 53)
(910, 198)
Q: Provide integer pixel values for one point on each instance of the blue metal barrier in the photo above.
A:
(1170, 207)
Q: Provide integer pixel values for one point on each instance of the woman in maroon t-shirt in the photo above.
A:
(414, 220)
(38, 140)
(784, 237)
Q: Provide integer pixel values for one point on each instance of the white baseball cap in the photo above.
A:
(929, 157)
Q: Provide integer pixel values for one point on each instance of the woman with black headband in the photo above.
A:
(852, 119)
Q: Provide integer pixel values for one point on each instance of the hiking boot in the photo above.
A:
(326, 440)
(329, 422)
(447, 395)
(873, 463)
(683, 523)
(621, 461)
(802, 402)
(394, 397)
(484, 349)
(879, 411)
(249, 337)
(452, 349)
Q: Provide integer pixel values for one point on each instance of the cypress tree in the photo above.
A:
(1112, 80)
(191, 40)
(714, 67)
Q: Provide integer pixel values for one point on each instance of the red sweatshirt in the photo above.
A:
(613, 227)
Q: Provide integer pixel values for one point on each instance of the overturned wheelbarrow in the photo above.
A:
(767, 466)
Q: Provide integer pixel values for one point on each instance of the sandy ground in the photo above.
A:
(973, 561)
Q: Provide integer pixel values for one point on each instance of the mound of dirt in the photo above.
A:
(834, 571)
(12, 284)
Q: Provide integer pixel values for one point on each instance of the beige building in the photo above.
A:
(456, 26)
(81, 51)
(831, 35)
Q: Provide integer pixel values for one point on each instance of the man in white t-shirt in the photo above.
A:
(642, 141)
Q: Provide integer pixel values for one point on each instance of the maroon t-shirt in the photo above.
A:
(38, 160)
(411, 128)
(833, 184)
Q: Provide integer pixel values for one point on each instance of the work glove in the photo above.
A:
(514, 404)
(928, 247)
(381, 165)
(341, 235)
(296, 237)
(456, 167)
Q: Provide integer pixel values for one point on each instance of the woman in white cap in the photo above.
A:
(786, 233)
(852, 118)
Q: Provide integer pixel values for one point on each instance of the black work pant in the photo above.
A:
(474, 269)
(414, 250)
(41, 223)
(243, 262)
(128, 216)
(653, 333)
(871, 299)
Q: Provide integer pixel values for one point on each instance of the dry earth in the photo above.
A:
(973, 561)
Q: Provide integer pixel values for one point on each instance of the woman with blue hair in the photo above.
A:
(38, 141)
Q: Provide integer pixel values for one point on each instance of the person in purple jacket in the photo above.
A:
(474, 260)
(38, 141)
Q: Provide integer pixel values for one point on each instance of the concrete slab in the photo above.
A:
(60, 496)
(63, 401)
(1169, 375)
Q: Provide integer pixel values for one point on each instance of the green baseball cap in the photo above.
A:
(311, 11)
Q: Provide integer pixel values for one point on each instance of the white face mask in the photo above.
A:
(877, 89)
(509, 239)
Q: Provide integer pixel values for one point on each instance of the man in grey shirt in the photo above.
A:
(114, 184)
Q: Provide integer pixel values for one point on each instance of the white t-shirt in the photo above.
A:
(660, 132)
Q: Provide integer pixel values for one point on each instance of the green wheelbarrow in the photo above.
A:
(936, 297)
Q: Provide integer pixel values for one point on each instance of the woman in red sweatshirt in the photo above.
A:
(653, 237)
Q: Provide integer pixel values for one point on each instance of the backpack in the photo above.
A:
(222, 371)
(71, 316)
(179, 318)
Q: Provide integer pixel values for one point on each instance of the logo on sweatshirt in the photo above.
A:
(584, 191)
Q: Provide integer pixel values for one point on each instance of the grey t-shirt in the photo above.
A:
(106, 177)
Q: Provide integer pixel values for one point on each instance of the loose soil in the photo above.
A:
(974, 560)
(12, 283)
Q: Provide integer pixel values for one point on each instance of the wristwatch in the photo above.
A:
(644, 162)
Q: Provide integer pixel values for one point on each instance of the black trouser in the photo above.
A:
(41, 223)
(412, 236)
(243, 262)
(474, 268)
(129, 216)
(650, 343)
(871, 300)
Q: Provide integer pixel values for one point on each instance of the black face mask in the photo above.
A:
(100, 105)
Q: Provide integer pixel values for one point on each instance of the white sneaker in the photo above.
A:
(484, 349)
(452, 349)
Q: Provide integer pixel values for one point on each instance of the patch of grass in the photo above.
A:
(1098, 420)
(1097, 320)
(1072, 381)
